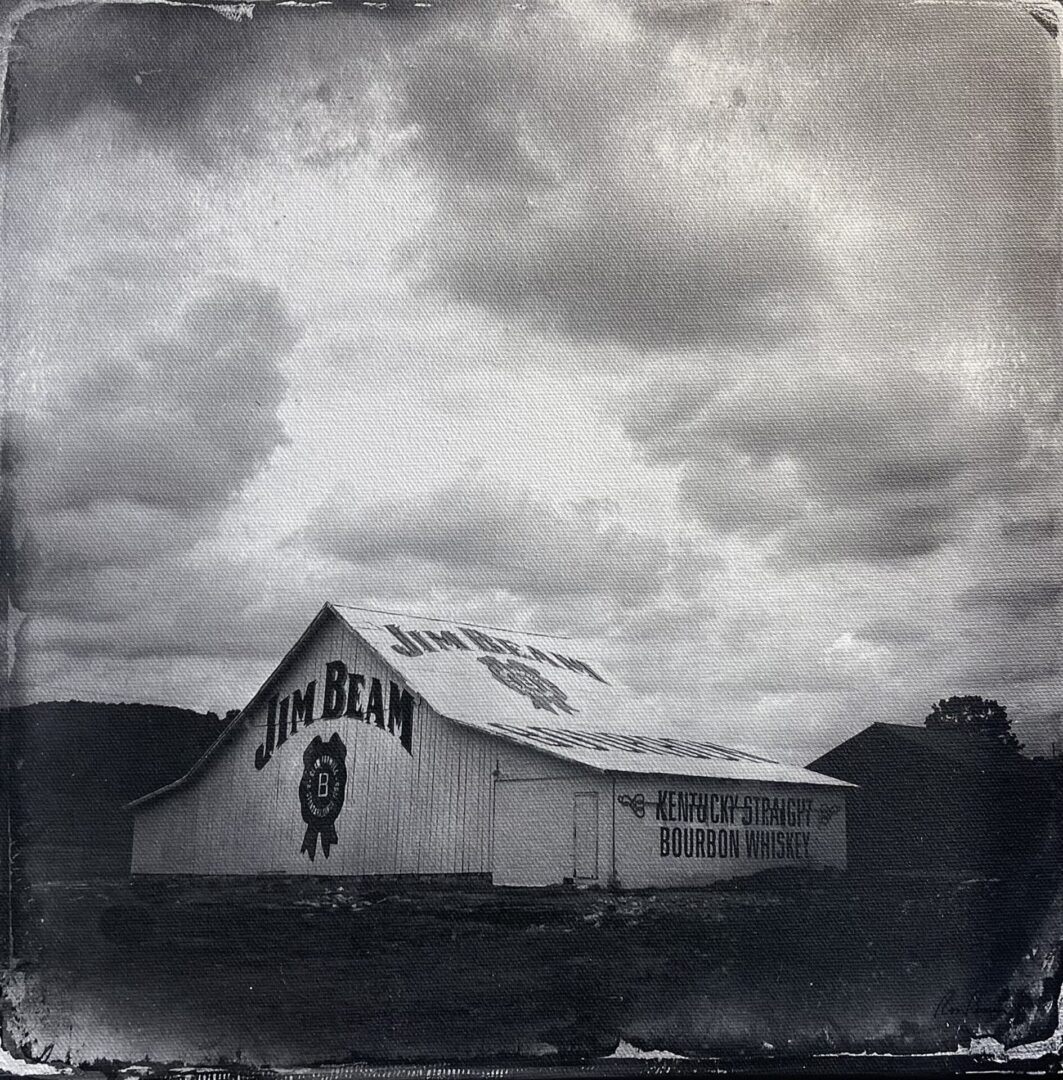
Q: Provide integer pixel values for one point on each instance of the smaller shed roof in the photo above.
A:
(958, 752)
(967, 749)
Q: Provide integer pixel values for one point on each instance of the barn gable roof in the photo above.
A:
(540, 691)
(552, 695)
(238, 721)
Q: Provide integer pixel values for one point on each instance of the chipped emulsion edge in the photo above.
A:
(1047, 13)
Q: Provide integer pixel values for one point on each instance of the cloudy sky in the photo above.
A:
(725, 336)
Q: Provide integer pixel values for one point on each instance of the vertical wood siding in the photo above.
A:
(535, 818)
(425, 812)
(432, 811)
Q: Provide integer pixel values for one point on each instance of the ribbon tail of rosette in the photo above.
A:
(328, 838)
(310, 842)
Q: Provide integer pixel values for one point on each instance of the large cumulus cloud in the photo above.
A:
(124, 482)
(143, 452)
(817, 241)
(146, 376)
(569, 198)
(179, 424)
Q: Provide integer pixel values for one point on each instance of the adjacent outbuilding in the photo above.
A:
(391, 745)
(942, 803)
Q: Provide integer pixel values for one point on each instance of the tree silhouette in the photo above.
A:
(974, 714)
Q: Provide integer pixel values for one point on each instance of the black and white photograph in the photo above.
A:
(530, 538)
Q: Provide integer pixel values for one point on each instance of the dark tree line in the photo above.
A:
(975, 715)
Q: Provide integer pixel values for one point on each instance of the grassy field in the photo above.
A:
(284, 972)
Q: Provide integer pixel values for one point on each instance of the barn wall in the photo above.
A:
(808, 825)
(431, 810)
(534, 828)
(424, 812)
(534, 819)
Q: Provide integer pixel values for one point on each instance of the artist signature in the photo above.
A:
(981, 1004)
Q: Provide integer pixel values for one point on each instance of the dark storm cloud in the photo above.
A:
(896, 429)
(695, 19)
(557, 206)
(1031, 530)
(480, 532)
(1008, 672)
(1019, 600)
(217, 92)
(651, 277)
(880, 533)
(158, 62)
(868, 466)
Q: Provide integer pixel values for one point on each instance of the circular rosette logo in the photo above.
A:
(526, 680)
(321, 792)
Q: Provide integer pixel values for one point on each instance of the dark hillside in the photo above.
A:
(77, 762)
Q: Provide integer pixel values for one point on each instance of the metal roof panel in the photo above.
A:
(552, 695)
(537, 690)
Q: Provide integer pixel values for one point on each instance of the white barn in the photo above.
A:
(393, 745)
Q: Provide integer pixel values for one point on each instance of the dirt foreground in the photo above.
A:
(285, 972)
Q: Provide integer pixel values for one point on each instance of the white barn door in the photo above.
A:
(585, 836)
